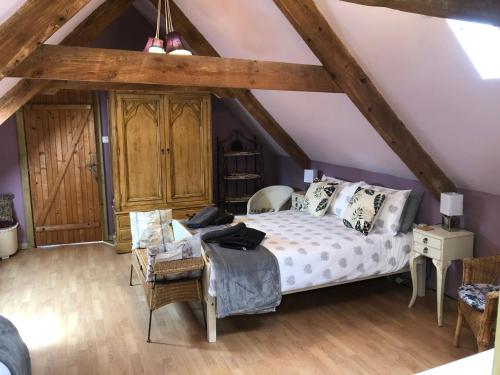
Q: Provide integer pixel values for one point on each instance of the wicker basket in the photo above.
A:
(8, 241)
(162, 293)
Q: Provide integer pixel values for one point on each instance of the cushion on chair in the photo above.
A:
(151, 228)
(189, 247)
(474, 295)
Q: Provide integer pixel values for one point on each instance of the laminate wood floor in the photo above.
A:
(78, 315)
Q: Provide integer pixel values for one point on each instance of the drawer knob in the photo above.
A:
(426, 250)
(425, 240)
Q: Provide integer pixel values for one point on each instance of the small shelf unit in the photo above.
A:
(239, 171)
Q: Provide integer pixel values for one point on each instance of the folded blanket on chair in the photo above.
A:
(238, 237)
(13, 351)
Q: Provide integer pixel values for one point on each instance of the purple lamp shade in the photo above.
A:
(175, 45)
(154, 45)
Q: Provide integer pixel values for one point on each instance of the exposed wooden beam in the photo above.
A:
(84, 33)
(55, 86)
(32, 25)
(343, 68)
(484, 11)
(202, 46)
(106, 65)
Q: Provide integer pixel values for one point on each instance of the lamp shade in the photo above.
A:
(175, 46)
(452, 204)
(310, 175)
(154, 45)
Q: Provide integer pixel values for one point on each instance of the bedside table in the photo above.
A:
(298, 200)
(442, 247)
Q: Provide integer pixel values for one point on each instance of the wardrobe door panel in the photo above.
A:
(141, 156)
(189, 149)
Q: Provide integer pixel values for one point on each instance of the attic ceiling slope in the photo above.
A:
(485, 11)
(343, 68)
(83, 34)
(201, 45)
(31, 25)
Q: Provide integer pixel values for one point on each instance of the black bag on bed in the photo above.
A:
(209, 216)
(238, 237)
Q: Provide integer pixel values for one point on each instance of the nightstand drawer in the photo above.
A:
(427, 250)
(426, 241)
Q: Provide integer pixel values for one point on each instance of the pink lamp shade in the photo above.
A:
(174, 44)
(154, 45)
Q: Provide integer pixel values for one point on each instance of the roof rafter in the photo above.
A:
(32, 25)
(484, 11)
(83, 34)
(343, 69)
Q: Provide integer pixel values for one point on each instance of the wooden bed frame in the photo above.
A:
(180, 231)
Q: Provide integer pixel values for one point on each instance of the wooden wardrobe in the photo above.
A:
(161, 155)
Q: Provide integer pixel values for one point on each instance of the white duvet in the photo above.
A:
(313, 251)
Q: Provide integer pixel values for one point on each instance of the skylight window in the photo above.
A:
(482, 44)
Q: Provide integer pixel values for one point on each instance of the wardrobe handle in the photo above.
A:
(425, 240)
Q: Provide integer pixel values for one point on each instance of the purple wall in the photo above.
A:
(481, 210)
(10, 174)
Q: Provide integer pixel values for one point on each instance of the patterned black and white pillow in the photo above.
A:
(362, 210)
(318, 197)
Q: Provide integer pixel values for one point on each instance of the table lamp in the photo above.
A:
(309, 176)
(451, 208)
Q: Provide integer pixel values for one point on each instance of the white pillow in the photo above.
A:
(389, 217)
(151, 228)
(345, 191)
(332, 179)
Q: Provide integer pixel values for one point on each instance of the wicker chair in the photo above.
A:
(161, 293)
(478, 271)
(274, 198)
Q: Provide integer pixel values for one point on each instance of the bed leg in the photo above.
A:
(421, 276)
(211, 320)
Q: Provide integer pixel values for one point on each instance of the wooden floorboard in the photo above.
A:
(77, 314)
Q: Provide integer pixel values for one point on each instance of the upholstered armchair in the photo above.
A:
(478, 299)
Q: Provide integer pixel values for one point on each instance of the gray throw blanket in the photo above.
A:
(13, 351)
(248, 282)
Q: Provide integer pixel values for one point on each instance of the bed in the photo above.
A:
(314, 252)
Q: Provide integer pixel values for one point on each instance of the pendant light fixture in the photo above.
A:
(174, 44)
(155, 44)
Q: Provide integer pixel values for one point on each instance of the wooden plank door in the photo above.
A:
(62, 163)
(189, 149)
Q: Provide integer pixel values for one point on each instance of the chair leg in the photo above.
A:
(131, 271)
(458, 329)
(149, 327)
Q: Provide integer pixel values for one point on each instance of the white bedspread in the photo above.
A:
(313, 251)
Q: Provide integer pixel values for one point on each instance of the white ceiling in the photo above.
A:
(414, 60)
